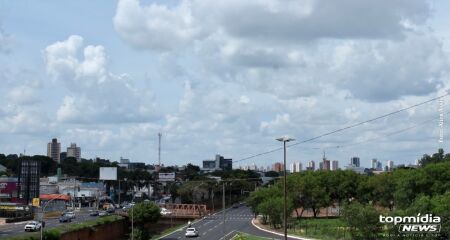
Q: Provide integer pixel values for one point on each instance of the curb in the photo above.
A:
(196, 221)
(279, 234)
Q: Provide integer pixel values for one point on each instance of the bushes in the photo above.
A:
(362, 221)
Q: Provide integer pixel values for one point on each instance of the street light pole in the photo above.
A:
(43, 212)
(284, 140)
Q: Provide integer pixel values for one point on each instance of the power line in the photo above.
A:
(345, 128)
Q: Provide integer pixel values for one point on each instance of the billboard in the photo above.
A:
(166, 177)
(108, 173)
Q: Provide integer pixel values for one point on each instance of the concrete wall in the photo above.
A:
(114, 230)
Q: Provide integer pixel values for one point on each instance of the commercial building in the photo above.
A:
(311, 166)
(8, 189)
(354, 161)
(29, 179)
(278, 167)
(295, 167)
(220, 163)
(334, 165)
(74, 151)
(326, 165)
(390, 165)
(53, 150)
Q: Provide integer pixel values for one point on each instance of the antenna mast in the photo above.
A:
(159, 149)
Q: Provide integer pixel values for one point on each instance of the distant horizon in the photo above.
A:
(109, 76)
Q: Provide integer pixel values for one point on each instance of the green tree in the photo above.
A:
(272, 209)
(362, 220)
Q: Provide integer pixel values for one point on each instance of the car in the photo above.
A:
(65, 218)
(93, 213)
(110, 210)
(191, 232)
(235, 205)
(32, 226)
(70, 214)
(165, 211)
(102, 213)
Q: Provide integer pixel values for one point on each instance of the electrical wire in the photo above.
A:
(343, 129)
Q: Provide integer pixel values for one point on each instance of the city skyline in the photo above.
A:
(105, 82)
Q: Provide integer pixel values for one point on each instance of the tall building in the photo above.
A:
(374, 163)
(299, 166)
(29, 179)
(295, 167)
(354, 161)
(278, 167)
(74, 151)
(334, 165)
(326, 165)
(390, 165)
(379, 166)
(311, 166)
(219, 163)
(53, 150)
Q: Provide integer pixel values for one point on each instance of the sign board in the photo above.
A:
(36, 202)
(166, 177)
(108, 173)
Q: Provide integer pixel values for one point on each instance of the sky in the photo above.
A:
(224, 77)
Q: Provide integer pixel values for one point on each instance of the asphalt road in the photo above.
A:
(212, 227)
(11, 229)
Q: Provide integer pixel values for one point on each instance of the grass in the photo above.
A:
(321, 228)
(245, 236)
(168, 230)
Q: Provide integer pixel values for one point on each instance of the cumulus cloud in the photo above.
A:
(297, 48)
(95, 94)
(155, 26)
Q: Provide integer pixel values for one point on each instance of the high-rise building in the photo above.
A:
(354, 161)
(295, 167)
(379, 166)
(299, 166)
(334, 165)
(74, 151)
(53, 150)
(374, 163)
(311, 166)
(278, 167)
(326, 165)
(29, 179)
(219, 163)
(390, 165)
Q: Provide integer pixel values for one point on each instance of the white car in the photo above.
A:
(32, 226)
(191, 232)
(164, 211)
(70, 215)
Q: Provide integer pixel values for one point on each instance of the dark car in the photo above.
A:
(235, 205)
(93, 213)
(65, 218)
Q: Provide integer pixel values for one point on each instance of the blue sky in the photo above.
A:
(222, 77)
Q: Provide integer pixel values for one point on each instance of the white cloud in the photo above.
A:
(95, 94)
(154, 26)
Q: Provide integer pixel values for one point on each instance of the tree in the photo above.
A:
(146, 212)
(308, 191)
(362, 221)
(273, 209)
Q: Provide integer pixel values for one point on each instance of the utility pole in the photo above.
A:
(223, 205)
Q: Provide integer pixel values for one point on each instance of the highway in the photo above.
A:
(212, 228)
(11, 229)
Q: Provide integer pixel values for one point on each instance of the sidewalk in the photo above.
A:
(257, 224)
